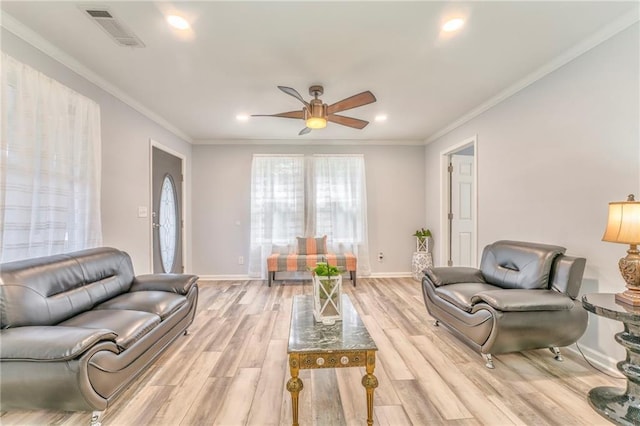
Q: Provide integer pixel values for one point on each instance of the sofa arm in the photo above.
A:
(172, 283)
(453, 275)
(517, 300)
(50, 343)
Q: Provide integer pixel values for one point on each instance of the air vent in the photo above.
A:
(116, 29)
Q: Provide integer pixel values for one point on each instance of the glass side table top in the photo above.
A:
(605, 305)
(305, 335)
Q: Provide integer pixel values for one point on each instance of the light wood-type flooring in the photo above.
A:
(232, 369)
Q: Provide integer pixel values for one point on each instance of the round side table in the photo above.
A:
(619, 405)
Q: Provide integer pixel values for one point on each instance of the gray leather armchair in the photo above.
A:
(522, 297)
(77, 328)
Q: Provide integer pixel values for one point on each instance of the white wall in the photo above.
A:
(125, 155)
(551, 157)
(221, 182)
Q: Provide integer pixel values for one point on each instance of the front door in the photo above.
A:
(167, 222)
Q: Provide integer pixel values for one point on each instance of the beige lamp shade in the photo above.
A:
(623, 224)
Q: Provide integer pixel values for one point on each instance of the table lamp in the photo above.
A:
(623, 226)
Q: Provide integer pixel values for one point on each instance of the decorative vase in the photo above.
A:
(327, 298)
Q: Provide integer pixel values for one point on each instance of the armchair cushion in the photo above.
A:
(510, 300)
(453, 275)
(50, 343)
(460, 295)
(173, 283)
(515, 264)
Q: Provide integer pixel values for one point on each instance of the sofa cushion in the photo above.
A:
(160, 303)
(460, 294)
(50, 343)
(170, 283)
(130, 326)
(312, 245)
(58, 287)
(515, 264)
(512, 300)
(453, 275)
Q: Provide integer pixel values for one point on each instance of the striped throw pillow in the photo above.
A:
(312, 245)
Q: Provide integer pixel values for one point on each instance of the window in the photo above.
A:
(322, 195)
(49, 166)
(277, 206)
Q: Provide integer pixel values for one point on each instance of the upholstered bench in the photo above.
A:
(310, 251)
(277, 262)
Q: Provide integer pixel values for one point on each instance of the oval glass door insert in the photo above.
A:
(168, 220)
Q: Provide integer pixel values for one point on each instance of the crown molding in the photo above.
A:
(605, 33)
(16, 27)
(310, 142)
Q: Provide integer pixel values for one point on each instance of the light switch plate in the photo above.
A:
(142, 211)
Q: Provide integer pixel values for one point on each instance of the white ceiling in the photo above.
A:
(238, 52)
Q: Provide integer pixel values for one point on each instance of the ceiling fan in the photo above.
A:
(316, 113)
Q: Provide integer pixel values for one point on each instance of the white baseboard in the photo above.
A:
(241, 277)
(226, 277)
(596, 358)
(389, 275)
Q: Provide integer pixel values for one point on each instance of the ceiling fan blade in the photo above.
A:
(347, 121)
(354, 101)
(293, 92)
(304, 131)
(291, 114)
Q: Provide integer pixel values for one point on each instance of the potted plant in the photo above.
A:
(424, 240)
(327, 293)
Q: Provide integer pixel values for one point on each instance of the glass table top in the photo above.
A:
(306, 335)
(605, 305)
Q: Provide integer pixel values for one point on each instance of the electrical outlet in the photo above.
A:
(240, 260)
(380, 256)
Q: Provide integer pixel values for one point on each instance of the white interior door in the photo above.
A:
(462, 208)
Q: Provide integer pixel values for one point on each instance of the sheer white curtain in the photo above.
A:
(339, 205)
(49, 166)
(277, 206)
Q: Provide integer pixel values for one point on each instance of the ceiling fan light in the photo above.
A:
(316, 122)
(453, 25)
(178, 22)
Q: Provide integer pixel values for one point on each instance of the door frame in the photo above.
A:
(444, 196)
(183, 204)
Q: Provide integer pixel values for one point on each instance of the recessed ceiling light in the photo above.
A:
(178, 22)
(453, 25)
(242, 117)
(381, 117)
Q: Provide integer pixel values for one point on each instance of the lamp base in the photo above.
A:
(630, 270)
(629, 298)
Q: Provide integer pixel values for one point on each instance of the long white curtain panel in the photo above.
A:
(49, 166)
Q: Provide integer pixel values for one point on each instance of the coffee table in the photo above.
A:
(346, 343)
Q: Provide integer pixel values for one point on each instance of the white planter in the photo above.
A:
(327, 298)
(424, 244)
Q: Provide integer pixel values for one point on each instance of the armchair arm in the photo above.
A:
(453, 275)
(520, 300)
(172, 283)
(50, 343)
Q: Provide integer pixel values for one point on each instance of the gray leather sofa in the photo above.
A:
(522, 297)
(77, 328)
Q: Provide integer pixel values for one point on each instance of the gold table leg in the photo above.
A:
(294, 385)
(370, 382)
